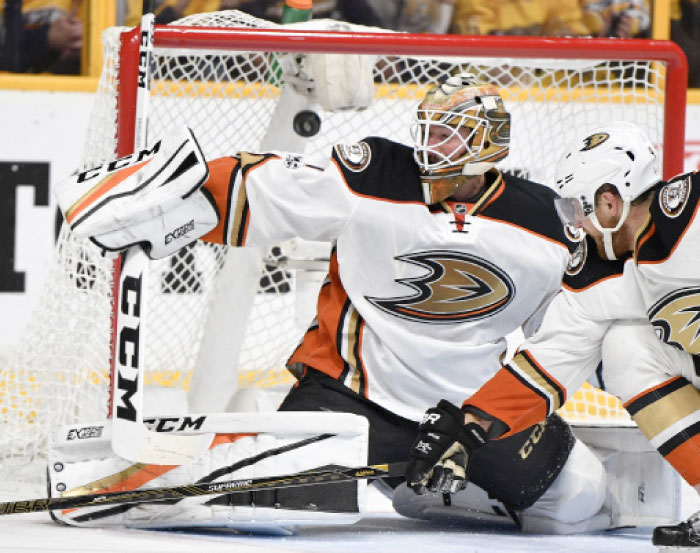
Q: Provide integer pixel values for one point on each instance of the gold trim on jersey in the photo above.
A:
(239, 216)
(532, 375)
(491, 192)
(667, 411)
(352, 326)
(239, 212)
(248, 160)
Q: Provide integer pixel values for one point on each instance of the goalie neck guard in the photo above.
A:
(471, 111)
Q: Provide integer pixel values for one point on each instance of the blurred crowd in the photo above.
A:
(47, 35)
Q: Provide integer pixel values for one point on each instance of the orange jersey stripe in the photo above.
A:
(318, 349)
(221, 172)
(102, 187)
(645, 237)
(507, 399)
(684, 459)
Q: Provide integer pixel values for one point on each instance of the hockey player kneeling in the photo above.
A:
(436, 257)
(615, 475)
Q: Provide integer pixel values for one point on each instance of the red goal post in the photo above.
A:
(215, 76)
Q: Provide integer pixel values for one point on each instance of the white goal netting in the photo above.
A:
(229, 96)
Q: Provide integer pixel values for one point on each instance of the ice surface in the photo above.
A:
(381, 532)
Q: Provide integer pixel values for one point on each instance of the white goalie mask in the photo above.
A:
(618, 154)
(464, 108)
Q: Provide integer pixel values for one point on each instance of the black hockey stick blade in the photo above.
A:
(331, 475)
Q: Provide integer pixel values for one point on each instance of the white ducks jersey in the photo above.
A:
(659, 283)
(418, 298)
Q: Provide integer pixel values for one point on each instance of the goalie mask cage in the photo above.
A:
(220, 73)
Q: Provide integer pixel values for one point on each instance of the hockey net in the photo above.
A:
(225, 82)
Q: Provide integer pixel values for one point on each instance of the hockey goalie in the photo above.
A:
(437, 256)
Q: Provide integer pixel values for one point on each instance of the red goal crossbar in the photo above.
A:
(280, 40)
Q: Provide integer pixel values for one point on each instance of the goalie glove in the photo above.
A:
(168, 232)
(149, 198)
(440, 455)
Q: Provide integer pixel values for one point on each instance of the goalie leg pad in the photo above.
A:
(642, 488)
(574, 501)
(614, 478)
(81, 461)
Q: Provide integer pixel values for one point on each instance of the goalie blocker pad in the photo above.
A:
(153, 198)
(247, 445)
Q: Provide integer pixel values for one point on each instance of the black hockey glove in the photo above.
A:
(440, 455)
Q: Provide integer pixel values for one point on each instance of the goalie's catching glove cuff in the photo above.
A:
(167, 233)
(440, 455)
(154, 198)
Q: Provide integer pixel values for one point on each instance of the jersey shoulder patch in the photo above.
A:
(671, 213)
(587, 269)
(578, 259)
(354, 157)
(379, 168)
(675, 195)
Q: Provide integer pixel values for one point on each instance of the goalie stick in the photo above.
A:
(309, 478)
(130, 438)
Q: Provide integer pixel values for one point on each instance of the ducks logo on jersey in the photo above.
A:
(454, 287)
(676, 319)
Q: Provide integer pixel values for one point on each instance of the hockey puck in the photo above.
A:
(307, 123)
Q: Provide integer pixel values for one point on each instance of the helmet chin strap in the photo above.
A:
(608, 232)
